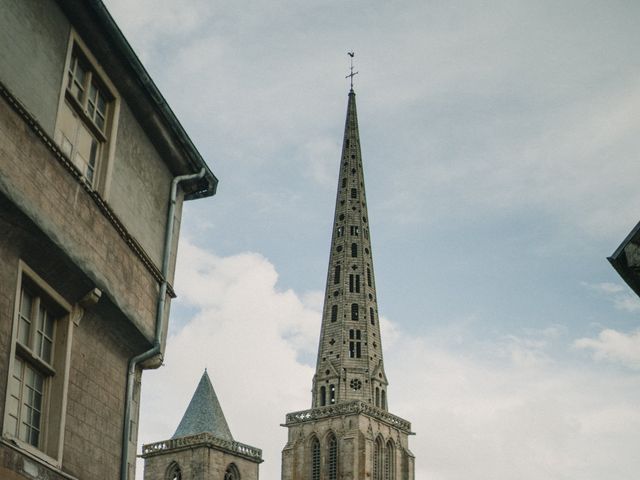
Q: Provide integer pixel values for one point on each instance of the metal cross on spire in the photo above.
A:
(352, 74)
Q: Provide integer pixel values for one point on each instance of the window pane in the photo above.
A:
(99, 121)
(15, 395)
(48, 327)
(31, 406)
(315, 459)
(79, 75)
(44, 335)
(66, 146)
(24, 323)
(46, 351)
(332, 460)
(12, 424)
(85, 151)
(93, 92)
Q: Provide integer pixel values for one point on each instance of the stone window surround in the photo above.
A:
(174, 472)
(102, 177)
(54, 410)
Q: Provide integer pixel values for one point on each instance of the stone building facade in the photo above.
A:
(348, 433)
(202, 447)
(94, 169)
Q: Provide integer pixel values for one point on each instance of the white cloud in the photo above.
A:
(614, 346)
(497, 411)
(481, 111)
(620, 295)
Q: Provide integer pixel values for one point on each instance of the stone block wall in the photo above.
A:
(356, 435)
(34, 178)
(199, 463)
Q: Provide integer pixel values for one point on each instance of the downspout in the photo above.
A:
(155, 350)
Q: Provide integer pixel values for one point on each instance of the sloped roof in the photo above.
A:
(204, 413)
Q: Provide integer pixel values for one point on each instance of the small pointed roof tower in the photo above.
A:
(204, 414)
(349, 432)
(202, 448)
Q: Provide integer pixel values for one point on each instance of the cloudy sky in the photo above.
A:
(500, 143)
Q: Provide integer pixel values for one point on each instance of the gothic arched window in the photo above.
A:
(332, 457)
(232, 472)
(174, 472)
(377, 459)
(389, 461)
(315, 459)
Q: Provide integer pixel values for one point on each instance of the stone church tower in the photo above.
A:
(202, 447)
(349, 434)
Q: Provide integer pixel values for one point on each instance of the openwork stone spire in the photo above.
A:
(349, 432)
(350, 364)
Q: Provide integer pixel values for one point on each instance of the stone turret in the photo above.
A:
(202, 448)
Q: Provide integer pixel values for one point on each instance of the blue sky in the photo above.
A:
(500, 144)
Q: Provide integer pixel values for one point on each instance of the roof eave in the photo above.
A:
(619, 261)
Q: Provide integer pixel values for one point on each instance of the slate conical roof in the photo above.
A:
(204, 414)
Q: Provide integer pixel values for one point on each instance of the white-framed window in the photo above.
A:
(38, 368)
(87, 115)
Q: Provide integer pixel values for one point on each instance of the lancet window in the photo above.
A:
(355, 343)
(389, 462)
(332, 458)
(377, 459)
(334, 313)
(315, 459)
(354, 283)
(232, 472)
(174, 472)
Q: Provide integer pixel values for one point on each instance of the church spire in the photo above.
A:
(350, 363)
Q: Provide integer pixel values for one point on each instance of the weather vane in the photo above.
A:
(352, 74)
